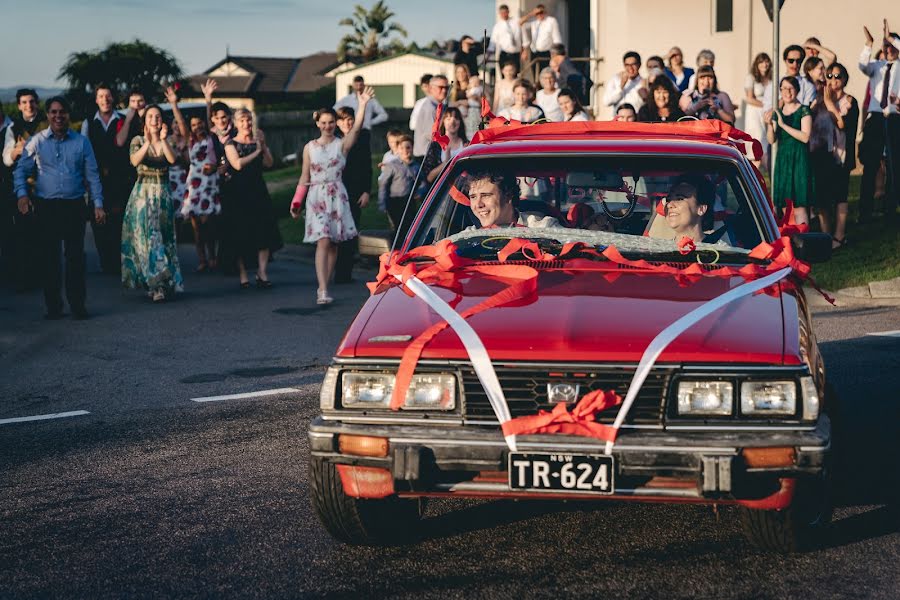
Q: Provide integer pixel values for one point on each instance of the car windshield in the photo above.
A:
(640, 204)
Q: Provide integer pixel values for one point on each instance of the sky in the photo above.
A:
(196, 32)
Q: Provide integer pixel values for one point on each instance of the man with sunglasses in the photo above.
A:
(793, 57)
(881, 131)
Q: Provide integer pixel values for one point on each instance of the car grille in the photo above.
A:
(525, 388)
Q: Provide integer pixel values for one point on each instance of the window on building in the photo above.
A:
(724, 15)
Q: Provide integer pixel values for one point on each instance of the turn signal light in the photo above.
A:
(363, 445)
(769, 457)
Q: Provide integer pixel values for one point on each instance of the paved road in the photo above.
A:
(154, 495)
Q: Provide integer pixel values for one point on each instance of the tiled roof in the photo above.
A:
(309, 75)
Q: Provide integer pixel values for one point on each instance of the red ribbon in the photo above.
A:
(521, 280)
(582, 420)
(486, 109)
(686, 245)
(709, 128)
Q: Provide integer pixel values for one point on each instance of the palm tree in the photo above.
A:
(371, 30)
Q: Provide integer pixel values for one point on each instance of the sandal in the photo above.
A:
(322, 297)
(245, 285)
(838, 243)
(263, 284)
(201, 267)
(159, 296)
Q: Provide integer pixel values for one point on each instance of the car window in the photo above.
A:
(631, 201)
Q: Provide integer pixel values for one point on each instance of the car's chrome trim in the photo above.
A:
(320, 434)
(786, 427)
(495, 424)
(392, 420)
(566, 447)
(493, 487)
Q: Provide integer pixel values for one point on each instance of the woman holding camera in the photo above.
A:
(707, 101)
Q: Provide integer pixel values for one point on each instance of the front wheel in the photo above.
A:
(798, 528)
(382, 522)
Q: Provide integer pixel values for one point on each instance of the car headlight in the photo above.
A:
(705, 397)
(427, 391)
(768, 398)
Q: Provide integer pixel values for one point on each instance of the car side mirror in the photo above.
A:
(812, 247)
(375, 242)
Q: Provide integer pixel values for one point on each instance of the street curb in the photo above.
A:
(888, 289)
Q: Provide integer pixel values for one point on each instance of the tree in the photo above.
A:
(371, 30)
(122, 66)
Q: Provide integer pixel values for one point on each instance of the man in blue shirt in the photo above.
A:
(64, 167)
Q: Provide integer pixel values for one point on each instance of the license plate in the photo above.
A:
(577, 473)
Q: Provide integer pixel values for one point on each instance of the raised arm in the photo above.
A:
(122, 134)
(208, 90)
(352, 135)
(827, 55)
(172, 98)
(865, 57)
(726, 112)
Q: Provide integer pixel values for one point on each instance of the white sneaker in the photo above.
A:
(322, 297)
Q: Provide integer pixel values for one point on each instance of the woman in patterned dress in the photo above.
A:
(178, 136)
(149, 252)
(328, 217)
(202, 203)
(249, 223)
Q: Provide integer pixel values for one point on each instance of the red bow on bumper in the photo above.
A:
(581, 420)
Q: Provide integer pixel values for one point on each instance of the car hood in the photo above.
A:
(580, 316)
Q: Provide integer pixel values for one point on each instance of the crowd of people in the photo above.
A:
(142, 173)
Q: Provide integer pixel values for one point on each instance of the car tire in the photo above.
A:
(798, 528)
(382, 522)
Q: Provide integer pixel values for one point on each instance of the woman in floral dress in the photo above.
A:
(149, 253)
(328, 217)
(202, 203)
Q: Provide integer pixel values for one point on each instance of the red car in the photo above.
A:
(595, 312)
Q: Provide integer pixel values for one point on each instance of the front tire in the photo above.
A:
(798, 528)
(382, 522)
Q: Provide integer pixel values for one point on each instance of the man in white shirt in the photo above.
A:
(543, 32)
(793, 57)
(375, 113)
(881, 131)
(506, 37)
(437, 94)
(626, 86)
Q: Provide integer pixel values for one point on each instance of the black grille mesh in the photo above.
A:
(525, 388)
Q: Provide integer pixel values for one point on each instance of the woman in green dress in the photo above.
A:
(149, 252)
(790, 127)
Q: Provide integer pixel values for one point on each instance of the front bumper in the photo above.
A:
(653, 465)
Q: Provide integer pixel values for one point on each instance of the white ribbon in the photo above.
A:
(487, 376)
(478, 354)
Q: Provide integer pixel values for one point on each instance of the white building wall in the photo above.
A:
(403, 70)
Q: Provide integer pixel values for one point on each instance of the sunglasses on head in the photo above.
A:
(792, 61)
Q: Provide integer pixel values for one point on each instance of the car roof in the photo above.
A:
(707, 138)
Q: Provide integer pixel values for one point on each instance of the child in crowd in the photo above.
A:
(626, 113)
(393, 137)
(474, 93)
(394, 184)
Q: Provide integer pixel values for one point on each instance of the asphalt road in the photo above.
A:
(154, 495)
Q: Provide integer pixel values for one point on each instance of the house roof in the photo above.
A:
(310, 73)
(421, 54)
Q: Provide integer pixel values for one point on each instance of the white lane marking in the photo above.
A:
(258, 394)
(887, 333)
(62, 415)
